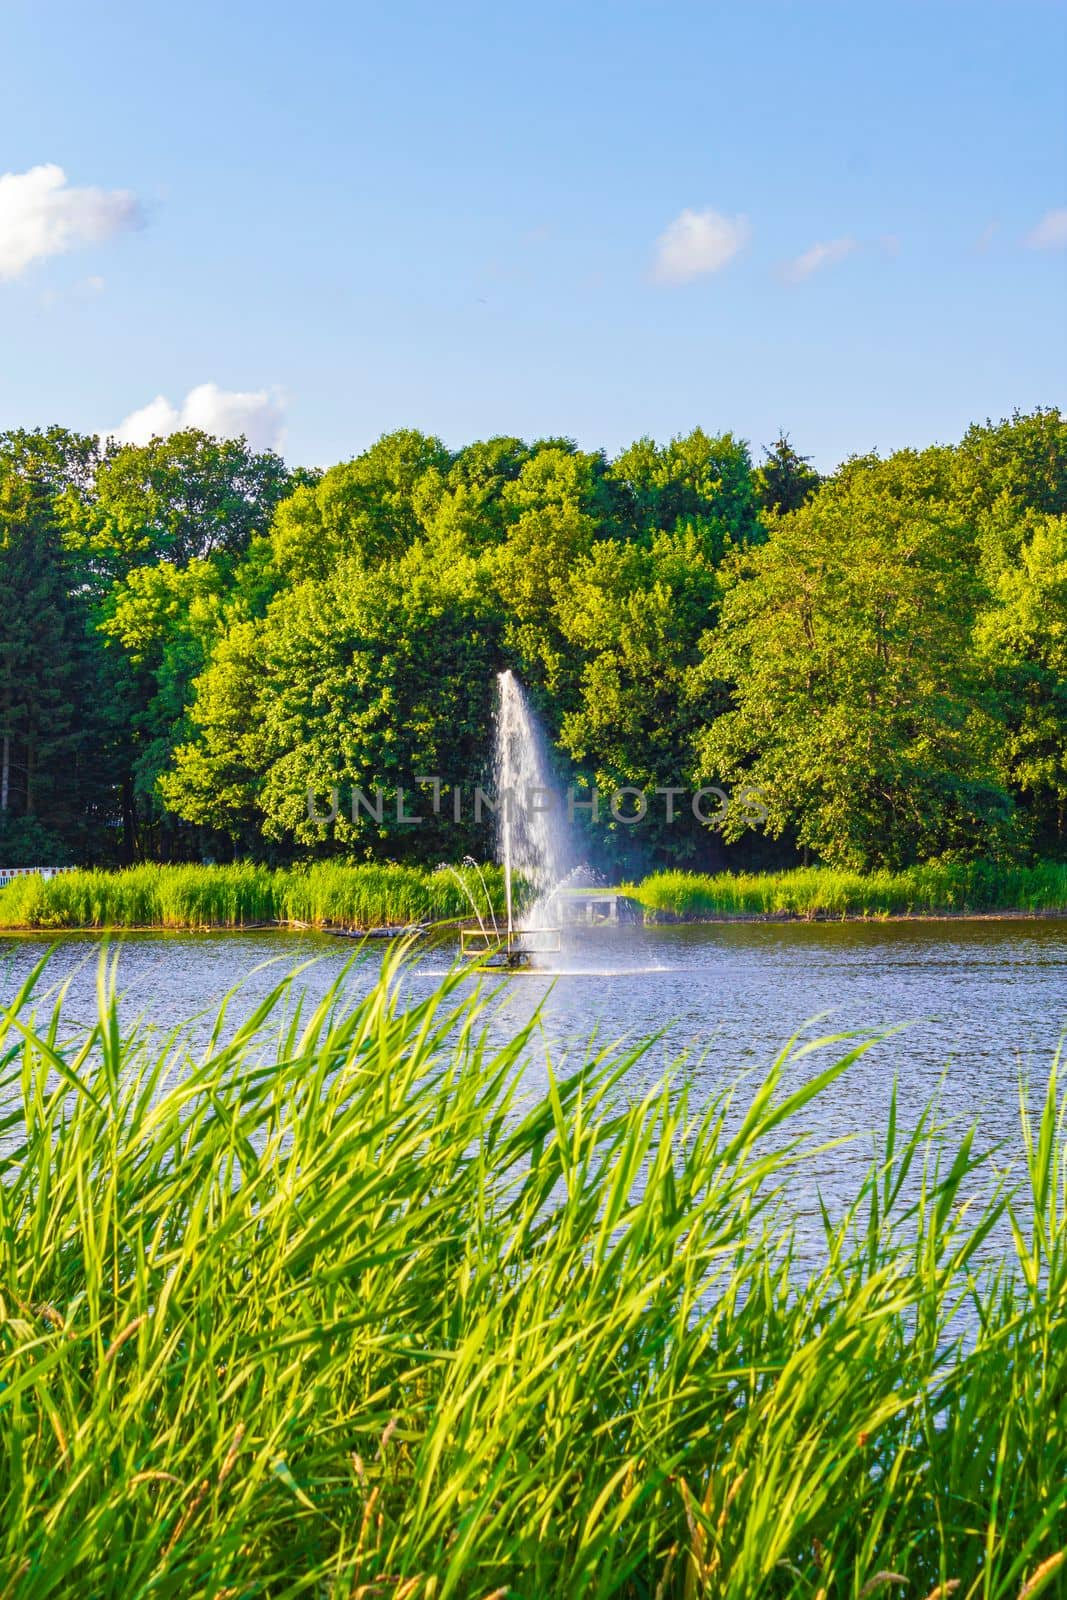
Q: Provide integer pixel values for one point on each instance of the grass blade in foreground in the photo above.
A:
(351, 1321)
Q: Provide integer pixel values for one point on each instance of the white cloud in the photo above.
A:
(226, 413)
(697, 242)
(156, 419)
(259, 415)
(1051, 231)
(42, 215)
(822, 254)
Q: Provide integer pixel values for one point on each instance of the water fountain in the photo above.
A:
(532, 841)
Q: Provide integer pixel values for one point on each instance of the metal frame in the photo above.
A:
(476, 941)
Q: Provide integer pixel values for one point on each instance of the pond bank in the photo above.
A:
(244, 895)
(335, 897)
(824, 894)
(387, 933)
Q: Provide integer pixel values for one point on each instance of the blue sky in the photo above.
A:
(473, 219)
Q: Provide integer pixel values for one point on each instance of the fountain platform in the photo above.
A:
(591, 905)
(512, 948)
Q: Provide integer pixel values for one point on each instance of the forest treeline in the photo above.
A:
(192, 636)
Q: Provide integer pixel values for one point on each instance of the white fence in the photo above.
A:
(8, 874)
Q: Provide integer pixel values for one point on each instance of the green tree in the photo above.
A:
(784, 481)
(49, 777)
(373, 507)
(470, 496)
(1022, 635)
(695, 477)
(857, 706)
(638, 614)
(60, 461)
(1023, 457)
(532, 572)
(217, 770)
(164, 619)
(556, 509)
(881, 652)
(159, 541)
(365, 679)
(186, 497)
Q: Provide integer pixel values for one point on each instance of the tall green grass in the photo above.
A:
(328, 894)
(332, 894)
(822, 891)
(371, 896)
(320, 1307)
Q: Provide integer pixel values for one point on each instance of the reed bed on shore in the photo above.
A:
(325, 894)
(323, 1306)
(825, 892)
(369, 895)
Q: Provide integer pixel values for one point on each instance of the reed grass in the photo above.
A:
(824, 892)
(321, 1306)
(323, 895)
(334, 894)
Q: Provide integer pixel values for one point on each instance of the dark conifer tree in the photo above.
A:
(45, 668)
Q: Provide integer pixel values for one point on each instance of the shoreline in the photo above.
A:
(666, 919)
(658, 919)
(380, 900)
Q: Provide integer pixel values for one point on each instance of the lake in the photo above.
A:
(978, 1002)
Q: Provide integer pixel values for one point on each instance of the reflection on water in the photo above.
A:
(982, 1001)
